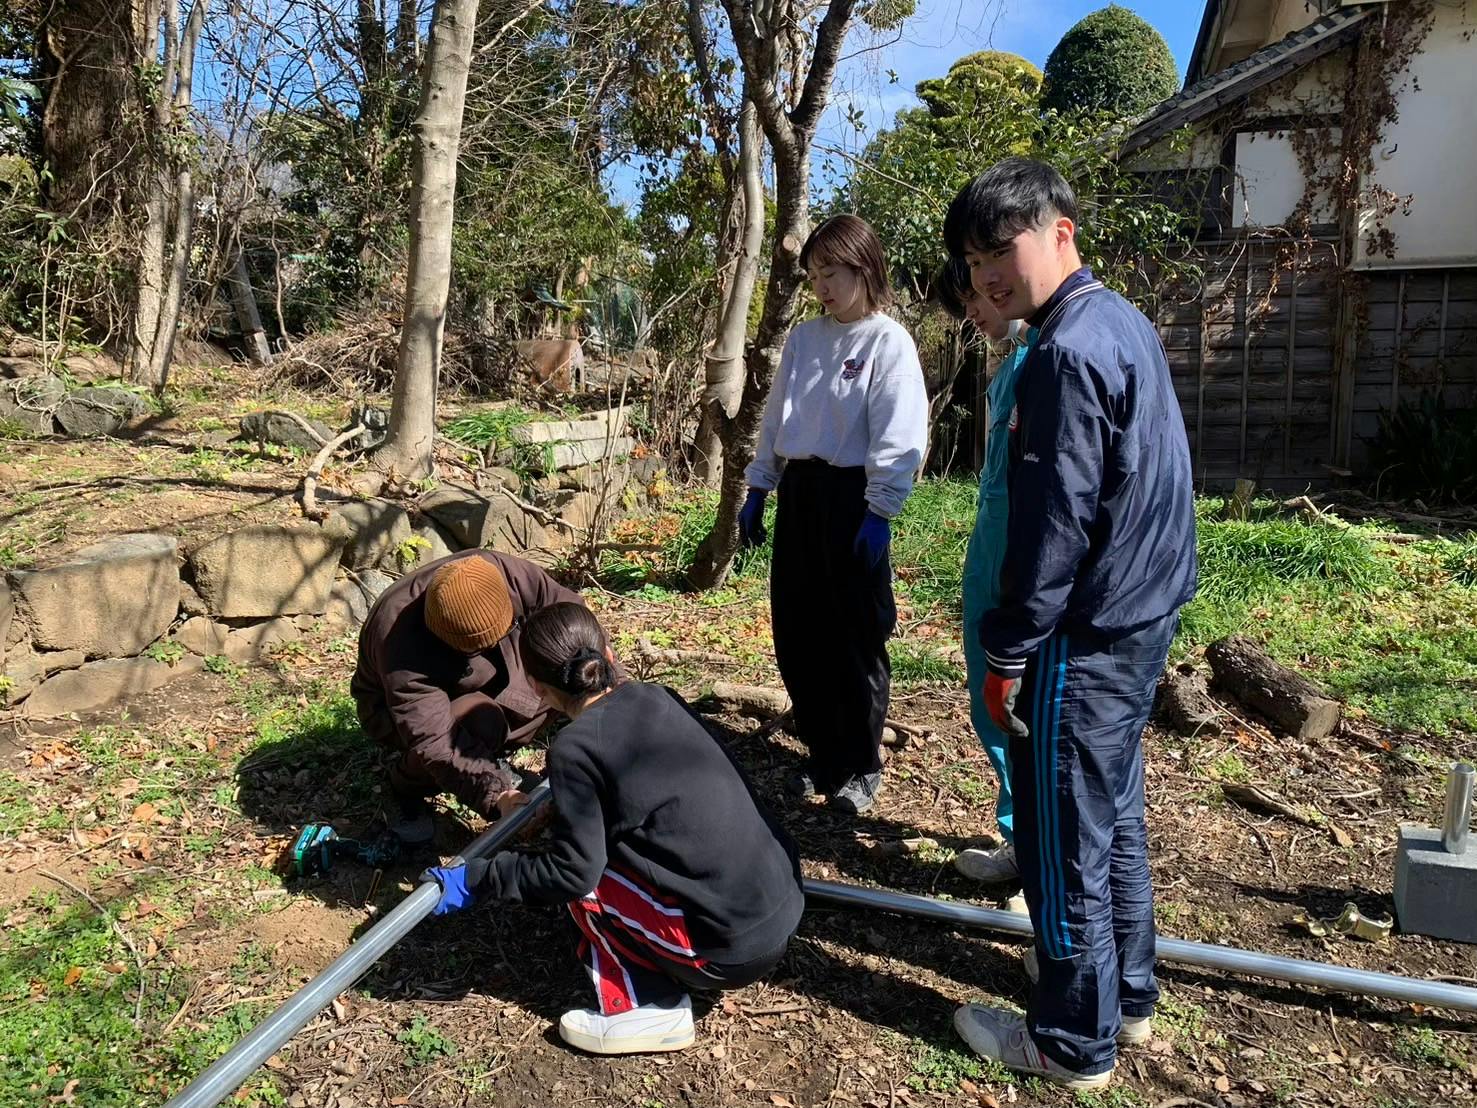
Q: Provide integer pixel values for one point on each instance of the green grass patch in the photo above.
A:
(423, 1043)
(914, 663)
(1459, 560)
(68, 987)
(1247, 562)
(929, 539)
(1423, 1046)
(939, 1069)
(491, 428)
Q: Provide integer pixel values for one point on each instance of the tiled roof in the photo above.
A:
(1234, 82)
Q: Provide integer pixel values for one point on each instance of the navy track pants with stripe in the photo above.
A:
(1078, 782)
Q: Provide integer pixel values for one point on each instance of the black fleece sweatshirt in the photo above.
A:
(640, 786)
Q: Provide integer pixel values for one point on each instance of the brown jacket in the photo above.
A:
(407, 678)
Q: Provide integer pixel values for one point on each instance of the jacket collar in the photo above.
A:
(1077, 280)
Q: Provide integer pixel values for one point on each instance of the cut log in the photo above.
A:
(1184, 704)
(750, 700)
(773, 706)
(1296, 705)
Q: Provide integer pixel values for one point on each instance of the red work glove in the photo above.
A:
(1000, 694)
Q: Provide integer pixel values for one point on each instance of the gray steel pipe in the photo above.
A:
(227, 1072)
(1458, 816)
(1205, 955)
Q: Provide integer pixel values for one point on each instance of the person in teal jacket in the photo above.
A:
(986, 551)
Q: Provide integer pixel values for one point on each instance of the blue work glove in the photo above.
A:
(458, 884)
(751, 519)
(872, 539)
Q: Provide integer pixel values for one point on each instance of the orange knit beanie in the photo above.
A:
(468, 606)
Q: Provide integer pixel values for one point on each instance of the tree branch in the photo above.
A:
(823, 60)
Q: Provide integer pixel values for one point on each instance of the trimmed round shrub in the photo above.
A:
(1110, 61)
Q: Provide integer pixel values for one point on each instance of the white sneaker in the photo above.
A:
(648, 1029)
(1136, 1030)
(415, 830)
(1002, 1036)
(1018, 905)
(990, 866)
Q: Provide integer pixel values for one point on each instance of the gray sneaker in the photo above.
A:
(857, 792)
(1135, 1030)
(989, 866)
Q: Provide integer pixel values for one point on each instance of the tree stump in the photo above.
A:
(1296, 705)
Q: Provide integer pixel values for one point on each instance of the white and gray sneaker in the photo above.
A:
(1002, 1036)
(857, 792)
(1135, 1030)
(989, 866)
(649, 1029)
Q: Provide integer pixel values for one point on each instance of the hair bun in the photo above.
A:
(586, 671)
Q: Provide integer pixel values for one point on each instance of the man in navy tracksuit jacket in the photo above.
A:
(1100, 556)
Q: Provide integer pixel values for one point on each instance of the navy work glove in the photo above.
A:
(1000, 694)
(872, 539)
(458, 884)
(751, 519)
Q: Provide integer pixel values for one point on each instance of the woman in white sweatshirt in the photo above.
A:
(843, 433)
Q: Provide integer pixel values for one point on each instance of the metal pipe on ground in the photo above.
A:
(1227, 959)
(226, 1073)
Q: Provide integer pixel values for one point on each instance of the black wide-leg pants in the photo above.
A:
(832, 616)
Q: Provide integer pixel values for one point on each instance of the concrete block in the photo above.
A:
(1435, 892)
(598, 426)
(568, 455)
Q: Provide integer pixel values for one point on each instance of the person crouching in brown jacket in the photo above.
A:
(440, 681)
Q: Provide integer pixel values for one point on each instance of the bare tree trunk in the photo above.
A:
(248, 318)
(760, 32)
(149, 277)
(184, 210)
(438, 128)
(725, 365)
(88, 50)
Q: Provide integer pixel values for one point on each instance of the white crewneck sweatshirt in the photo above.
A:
(850, 394)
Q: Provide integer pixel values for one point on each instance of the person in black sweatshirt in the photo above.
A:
(677, 878)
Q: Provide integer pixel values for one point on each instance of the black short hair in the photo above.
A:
(952, 287)
(1012, 196)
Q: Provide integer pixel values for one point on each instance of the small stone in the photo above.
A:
(250, 643)
(191, 603)
(202, 636)
(281, 429)
(373, 531)
(27, 669)
(98, 410)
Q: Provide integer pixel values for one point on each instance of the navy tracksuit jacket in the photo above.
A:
(1100, 557)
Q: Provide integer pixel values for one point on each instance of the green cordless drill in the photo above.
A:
(318, 846)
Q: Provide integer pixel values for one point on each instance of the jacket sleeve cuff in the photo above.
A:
(1009, 668)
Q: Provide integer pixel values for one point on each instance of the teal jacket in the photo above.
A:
(982, 564)
(986, 552)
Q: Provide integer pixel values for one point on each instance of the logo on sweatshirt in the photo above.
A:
(851, 369)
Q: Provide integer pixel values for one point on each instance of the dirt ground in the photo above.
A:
(858, 1013)
(181, 805)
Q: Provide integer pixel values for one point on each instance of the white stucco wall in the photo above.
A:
(1430, 153)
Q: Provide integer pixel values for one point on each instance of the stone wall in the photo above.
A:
(127, 615)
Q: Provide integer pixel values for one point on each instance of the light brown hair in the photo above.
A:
(849, 240)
